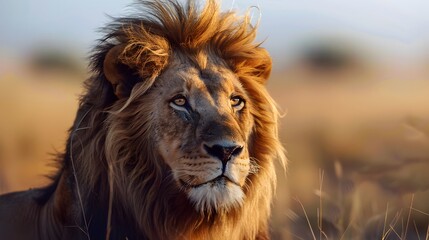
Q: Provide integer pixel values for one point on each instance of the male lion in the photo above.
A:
(174, 138)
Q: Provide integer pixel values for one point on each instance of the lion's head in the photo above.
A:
(179, 116)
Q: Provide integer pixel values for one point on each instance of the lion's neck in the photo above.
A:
(83, 213)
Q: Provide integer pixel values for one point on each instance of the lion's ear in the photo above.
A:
(141, 58)
(114, 69)
(257, 65)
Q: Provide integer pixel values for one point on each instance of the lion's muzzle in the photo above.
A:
(223, 152)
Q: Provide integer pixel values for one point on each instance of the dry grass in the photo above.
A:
(398, 226)
(36, 111)
(369, 135)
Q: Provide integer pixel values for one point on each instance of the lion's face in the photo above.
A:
(202, 127)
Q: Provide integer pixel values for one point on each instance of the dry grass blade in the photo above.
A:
(417, 230)
(385, 222)
(345, 230)
(306, 217)
(419, 211)
(392, 226)
(394, 231)
(394, 223)
(320, 209)
(409, 216)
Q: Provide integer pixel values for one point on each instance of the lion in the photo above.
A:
(175, 137)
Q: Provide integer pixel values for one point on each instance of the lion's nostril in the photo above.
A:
(223, 153)
(236, 151)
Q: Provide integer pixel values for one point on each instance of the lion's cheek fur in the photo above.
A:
(169, 152)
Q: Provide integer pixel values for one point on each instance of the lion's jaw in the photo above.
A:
(194, 140)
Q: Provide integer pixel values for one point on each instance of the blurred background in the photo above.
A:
(352, 79)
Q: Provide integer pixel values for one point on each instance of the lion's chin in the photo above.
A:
(219, 196)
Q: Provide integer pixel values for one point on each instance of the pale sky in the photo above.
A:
(397, 25)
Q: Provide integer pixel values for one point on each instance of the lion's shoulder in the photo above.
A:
(18, 212)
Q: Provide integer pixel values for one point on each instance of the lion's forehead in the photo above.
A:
(213, 82)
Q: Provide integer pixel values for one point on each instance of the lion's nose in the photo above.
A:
(223, 153)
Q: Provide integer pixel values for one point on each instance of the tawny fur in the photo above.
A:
(113, 180)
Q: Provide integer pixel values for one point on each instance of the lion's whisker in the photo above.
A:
(74, 172)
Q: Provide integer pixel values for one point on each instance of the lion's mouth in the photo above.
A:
(219, 180)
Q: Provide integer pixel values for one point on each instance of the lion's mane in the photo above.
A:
(110, 152)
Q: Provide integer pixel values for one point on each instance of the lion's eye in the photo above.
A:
(179, 102)
(237, 103)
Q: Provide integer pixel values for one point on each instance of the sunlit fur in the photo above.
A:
(207, 196)
(113, 145)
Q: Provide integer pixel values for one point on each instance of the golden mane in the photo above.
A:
(110, 173)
